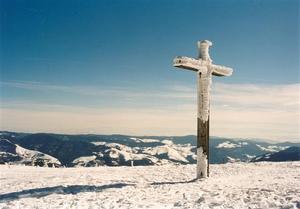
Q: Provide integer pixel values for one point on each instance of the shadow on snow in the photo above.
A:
(71, 189)
(175, 182)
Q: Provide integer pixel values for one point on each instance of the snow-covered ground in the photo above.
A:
(231, 185)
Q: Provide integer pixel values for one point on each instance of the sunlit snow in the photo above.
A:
(231, 185)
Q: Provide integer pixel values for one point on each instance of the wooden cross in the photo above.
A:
(205, 69)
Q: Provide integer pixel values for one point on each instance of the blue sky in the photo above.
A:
(93, 61)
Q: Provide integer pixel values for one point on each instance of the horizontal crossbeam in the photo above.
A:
(199, 64)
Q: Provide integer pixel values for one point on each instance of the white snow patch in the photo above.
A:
(272, 148)
(135, 139)
(98, 143)
(232, 160)
(84, 159)
(150, 140)
(250, 156)
(167, 142)
(138, 140)
(267, 156)
(228, 144)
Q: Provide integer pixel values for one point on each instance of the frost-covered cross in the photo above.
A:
(205, 69)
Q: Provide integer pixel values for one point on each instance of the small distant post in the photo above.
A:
(205, 69)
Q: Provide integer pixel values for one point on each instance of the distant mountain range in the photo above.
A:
(45, 149)
(289, 154)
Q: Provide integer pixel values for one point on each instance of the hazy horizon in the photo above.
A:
(132, 135)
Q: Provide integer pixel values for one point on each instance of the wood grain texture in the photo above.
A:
(203, 138)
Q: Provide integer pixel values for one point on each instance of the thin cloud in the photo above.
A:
(258, 96)
(117, 91)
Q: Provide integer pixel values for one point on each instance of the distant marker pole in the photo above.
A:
(205, 69)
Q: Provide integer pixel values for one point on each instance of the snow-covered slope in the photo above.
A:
(228, 144)
(231, 185)
(139, 140)
(171, 152)
(272, 148)
(115, 154)
(289, 154)
(15, 154)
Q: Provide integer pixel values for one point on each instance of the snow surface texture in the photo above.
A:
(231, 185)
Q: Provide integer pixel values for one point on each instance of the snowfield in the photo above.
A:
(231, 185)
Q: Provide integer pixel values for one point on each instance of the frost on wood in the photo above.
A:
(204, 86)
(205, 69)
(201, 163)
(203, 47)
(204, 81)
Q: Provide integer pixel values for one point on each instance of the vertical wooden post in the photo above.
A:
(205, 69)
(202, 135)
(203, 139)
